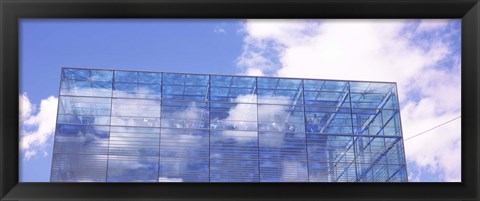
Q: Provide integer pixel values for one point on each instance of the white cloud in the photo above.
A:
(26, 107)
(432, 24)
(36, 129)
(374, 50)
(254, 72)
(219, 30)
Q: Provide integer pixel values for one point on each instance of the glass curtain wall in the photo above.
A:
(127, 126)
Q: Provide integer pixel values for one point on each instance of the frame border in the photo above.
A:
(13, 10)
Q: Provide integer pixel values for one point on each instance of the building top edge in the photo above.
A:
(111, 69)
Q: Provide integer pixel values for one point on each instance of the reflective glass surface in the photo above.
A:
(129, 126)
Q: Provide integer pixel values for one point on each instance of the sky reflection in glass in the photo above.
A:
(128, 126)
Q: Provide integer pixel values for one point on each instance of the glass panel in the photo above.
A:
(79, 168)
(219, 80)
(281, 118)
(125, 90)
(184, 155)
(381, 173)
(234, 156)
(379, 122)
(237, 89)
(83, 119)
(284, 97)
(279, 83)
(76, 74)
(373, 95)
(283, 157)
(183, 170)
(183, 114)
(337, 120)
(378, 150)
(150, 78)
(102, 75)
(86, 88)
(327, 172)
(196, 80)
(243, 82)
(391, 102)
(134, 141)
(196, 91)
(126, 76)
(234, 95)
(328, 155)
(134, 112)
(233, 116)
(149, 91)
(84, 106)
(174, 79)
(132, 169)
(184, 143)
(80, 139)
(135, 108)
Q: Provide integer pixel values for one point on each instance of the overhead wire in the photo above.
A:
(426, 131)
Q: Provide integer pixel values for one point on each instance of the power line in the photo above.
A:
(433, 128)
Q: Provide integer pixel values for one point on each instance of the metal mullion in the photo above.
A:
(305, 132)
(296, 99)
(344, 169)
(375, 162)
(56, 121)
(160, 129)
(276, 85)
(258, 133)
(110, 126)
(381, 128)
(363, 94)
(337, 108)
(353, 132)
(209, 128)
(385, 124)
(184, 86)
(370, 120)
(229, 87)
(319, 90)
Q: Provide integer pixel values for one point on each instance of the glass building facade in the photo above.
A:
(129, 126)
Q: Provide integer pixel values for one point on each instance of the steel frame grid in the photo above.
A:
(254, 89)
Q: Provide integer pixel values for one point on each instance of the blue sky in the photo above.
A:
(385, 50)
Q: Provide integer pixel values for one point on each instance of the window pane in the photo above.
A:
(86, 88)
(283, 157)
(134, 141)
(150, 78)
(76, 74)
(80, 139)
(184, 155)
(126, 76)
(132, 169)
(234, 156)
(79, 168)
(197, 80)
(135, 108)
(84, 106)
(183, 170)
(102, 75)
(173, 79)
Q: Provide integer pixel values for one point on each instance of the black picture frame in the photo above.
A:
(13, 10)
